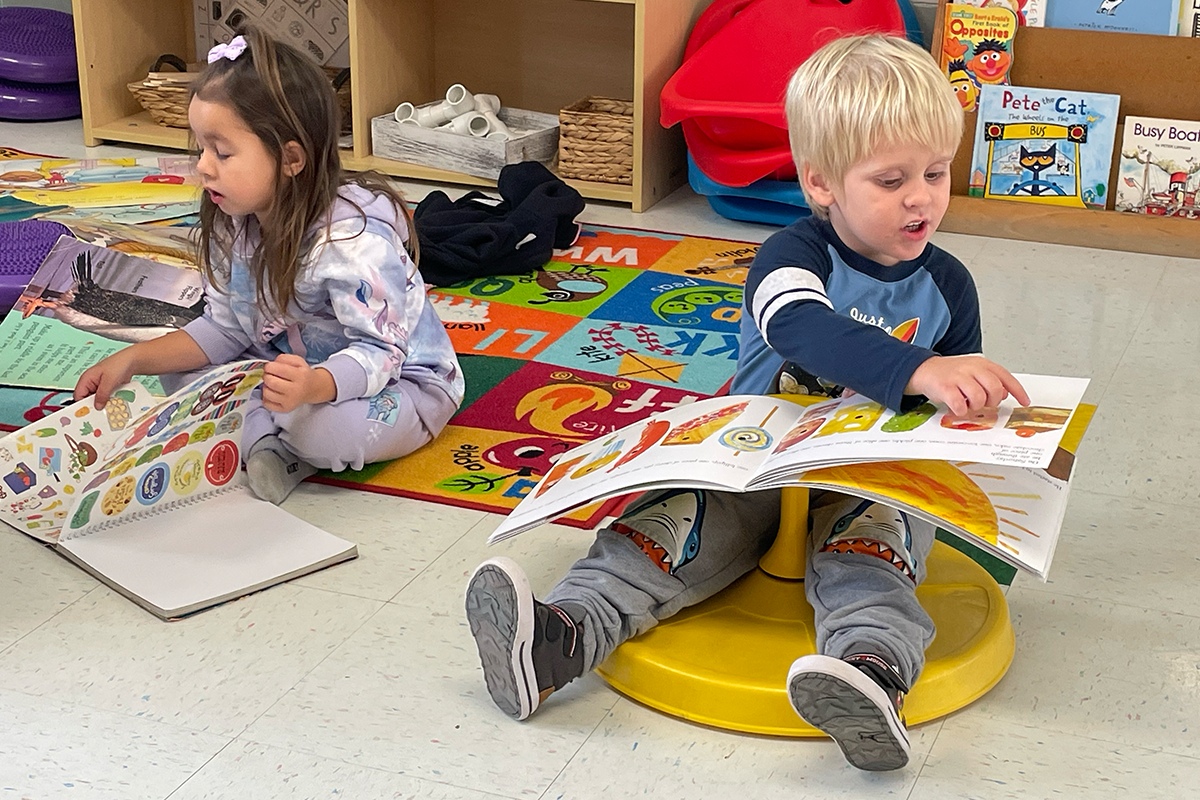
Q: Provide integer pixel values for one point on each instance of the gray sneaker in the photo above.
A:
(528, 649)
(857, 702)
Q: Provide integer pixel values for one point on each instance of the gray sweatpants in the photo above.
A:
(391, 424)
(674, 548)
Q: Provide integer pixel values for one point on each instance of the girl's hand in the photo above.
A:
(965, 383)
(289, 382)
(105, 376)
(177, 351)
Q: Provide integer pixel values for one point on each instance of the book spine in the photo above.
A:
(1189, 19)
(147, 513)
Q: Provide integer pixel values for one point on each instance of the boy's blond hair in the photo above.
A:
(861, 92)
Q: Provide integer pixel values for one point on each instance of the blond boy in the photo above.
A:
(853, 298)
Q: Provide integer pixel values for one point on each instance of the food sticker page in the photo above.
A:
(186, 447)
(44, 465)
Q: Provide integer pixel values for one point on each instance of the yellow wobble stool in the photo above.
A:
(724, 662)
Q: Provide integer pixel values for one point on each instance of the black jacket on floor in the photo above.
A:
(476, 235)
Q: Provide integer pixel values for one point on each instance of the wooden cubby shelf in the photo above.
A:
(536, 54)
(1155, 76)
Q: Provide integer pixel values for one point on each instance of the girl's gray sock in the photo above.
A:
(273, 471)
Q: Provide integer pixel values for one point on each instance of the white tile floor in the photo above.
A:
(362, 681)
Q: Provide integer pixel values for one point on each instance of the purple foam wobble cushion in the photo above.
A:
(23, 247)
(37, 45)
(26, 102)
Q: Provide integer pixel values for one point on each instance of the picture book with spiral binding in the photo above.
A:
(149, 496)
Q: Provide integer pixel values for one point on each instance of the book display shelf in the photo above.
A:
(1155, 76)
(539, 55)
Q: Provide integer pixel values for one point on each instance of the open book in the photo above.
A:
(998, 477)
(149, 496)
(87, 301)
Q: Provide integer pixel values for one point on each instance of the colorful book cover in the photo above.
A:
(1044, 146)
(1160, 168)
(1122, 16)
(1031, 13)
(977, 49)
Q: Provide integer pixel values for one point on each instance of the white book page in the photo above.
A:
(198, 554)
(857, 429)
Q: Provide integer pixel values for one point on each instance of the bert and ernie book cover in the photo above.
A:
(977, 49)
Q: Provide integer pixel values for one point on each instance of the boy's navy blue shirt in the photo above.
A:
(812, 301)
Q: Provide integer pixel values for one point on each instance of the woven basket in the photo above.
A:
(595, 140)
(167, 101)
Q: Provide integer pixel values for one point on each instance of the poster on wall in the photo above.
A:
(317, 27)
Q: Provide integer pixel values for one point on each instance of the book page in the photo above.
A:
(86, 302)
(720, 442)
(1012, 512)
(44, 465)
(857, 429)
(182, 449)
(206, 553)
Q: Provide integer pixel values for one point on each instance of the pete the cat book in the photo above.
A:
(1044, 146)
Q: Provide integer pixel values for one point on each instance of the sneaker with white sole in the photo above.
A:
(857, 702)
(528, 649)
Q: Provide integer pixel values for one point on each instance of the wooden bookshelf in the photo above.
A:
(1156, 76)
(535, 54)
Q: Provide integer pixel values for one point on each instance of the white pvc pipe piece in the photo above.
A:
(487, 102)
(459, 100)
(470, 124)
(495, 125)
(404, 113)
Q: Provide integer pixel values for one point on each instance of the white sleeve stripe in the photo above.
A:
(787, 280)
(781, 300)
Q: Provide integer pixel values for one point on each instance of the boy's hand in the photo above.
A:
(105, 376)
(965, 383)
(289, 382)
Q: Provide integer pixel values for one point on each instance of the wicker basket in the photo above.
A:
(165, 94)
(595, 140)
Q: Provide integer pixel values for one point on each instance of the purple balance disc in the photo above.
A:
(23, 247)
(35, 101)
(37, 45)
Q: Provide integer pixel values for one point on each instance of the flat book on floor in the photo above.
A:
(149, 496)
(87, 301)
(998, 477)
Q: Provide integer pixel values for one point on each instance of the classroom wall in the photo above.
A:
(925, 10)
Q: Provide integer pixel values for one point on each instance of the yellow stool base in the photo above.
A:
(724, 662)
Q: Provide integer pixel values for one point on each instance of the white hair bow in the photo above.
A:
(237, 45)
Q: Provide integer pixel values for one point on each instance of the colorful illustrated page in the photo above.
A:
(44, 465)
(184, 448)
(856, 429)
(1012, 512)
(721, 441)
